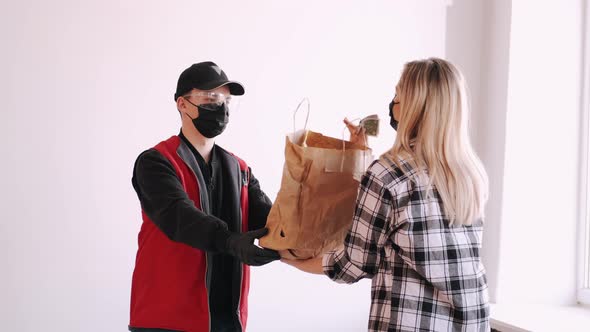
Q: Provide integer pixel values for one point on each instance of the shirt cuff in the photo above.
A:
(328, 262)
(338, 267)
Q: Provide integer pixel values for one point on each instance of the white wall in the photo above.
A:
(478, 41)
(86, 86)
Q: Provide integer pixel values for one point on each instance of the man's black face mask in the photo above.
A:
(212, 119)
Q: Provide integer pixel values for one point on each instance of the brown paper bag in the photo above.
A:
(314, 207)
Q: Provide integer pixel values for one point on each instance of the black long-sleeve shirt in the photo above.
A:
(167, 204)
(164, 200)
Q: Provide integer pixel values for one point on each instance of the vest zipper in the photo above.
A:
(206, 255)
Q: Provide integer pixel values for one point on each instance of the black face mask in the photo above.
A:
(212, 119)
(392, 122)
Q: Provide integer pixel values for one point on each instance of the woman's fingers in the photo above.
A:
(354, 129)
(357, 133)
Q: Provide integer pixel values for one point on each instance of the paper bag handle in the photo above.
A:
(306, 117)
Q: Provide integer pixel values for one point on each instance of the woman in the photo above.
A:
(417, 227)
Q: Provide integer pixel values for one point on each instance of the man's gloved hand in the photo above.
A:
(241, 245)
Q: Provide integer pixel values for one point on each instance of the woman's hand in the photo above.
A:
(357, 133)
(312, 265)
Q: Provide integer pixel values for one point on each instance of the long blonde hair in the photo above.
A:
(433, 134)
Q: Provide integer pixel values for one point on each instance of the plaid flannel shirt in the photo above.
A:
(426, 276)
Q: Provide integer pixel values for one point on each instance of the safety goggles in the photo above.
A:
(210, 97)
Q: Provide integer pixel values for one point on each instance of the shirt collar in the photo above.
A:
(212, 160)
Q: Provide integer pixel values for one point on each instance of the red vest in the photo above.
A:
(168, 289)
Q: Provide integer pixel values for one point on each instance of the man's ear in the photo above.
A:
(180, 104)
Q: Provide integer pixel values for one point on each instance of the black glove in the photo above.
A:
(241, 245)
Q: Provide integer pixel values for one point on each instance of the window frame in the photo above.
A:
(583, 289)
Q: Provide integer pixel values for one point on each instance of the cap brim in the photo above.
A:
(235, 88)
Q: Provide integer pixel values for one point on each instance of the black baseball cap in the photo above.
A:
(205, 76)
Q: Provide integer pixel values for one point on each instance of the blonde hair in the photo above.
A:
(433, 134)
